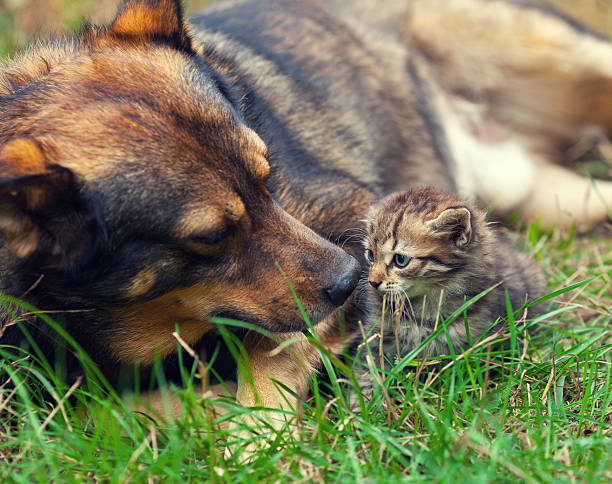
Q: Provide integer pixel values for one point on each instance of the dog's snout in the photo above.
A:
(344, 282)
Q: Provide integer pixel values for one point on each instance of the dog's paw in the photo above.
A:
(260, 430)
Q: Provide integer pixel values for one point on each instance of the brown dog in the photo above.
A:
(155, 174)
(134, 192)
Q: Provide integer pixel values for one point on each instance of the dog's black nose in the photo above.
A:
(375, 284)
(344, 283)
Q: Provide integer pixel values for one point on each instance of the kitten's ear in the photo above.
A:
(454, 223)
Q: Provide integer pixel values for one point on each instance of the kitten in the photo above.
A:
(428, 253)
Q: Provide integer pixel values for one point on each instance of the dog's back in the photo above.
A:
(343, 123)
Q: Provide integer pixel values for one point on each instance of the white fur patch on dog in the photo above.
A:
(492, 164)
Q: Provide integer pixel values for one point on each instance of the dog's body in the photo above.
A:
(144, 166)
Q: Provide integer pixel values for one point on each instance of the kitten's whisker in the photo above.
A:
(381, 341)
(414, 318)
(412, 314)
(398, 317)
(359, 231)
(352, 237)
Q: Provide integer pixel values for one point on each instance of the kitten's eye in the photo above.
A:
(401, 260)
(370, 255)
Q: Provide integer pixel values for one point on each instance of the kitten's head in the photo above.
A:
(419, 240)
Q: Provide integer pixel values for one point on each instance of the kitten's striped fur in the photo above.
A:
(454, 255)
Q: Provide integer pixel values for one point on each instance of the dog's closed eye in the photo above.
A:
(211, 244)
(214, 238)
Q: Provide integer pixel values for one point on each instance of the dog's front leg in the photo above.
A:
(275, 376)
(277, 373)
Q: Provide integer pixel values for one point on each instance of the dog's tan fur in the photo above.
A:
(517, 78)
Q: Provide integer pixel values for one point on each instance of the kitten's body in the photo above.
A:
(450, 254)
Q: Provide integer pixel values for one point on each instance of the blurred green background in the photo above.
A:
(22, 20)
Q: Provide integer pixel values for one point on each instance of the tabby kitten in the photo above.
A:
(428, 253)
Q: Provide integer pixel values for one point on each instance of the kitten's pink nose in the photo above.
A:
(375, 284)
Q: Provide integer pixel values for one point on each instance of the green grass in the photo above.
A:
(535, 409)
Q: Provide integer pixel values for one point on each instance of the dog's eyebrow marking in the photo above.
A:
(254, 139)
(200, 220)
(211, 219)
(23, 157)
(141, 283)
(259, 157)
(262, 167)
(235, 209)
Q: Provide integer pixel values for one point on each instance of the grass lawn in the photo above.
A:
(538, 410)
(535, 409)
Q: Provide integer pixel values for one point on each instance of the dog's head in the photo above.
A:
(129, 180)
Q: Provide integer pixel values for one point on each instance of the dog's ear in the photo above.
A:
(455, 224)
(152, 20)
(43, 216)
